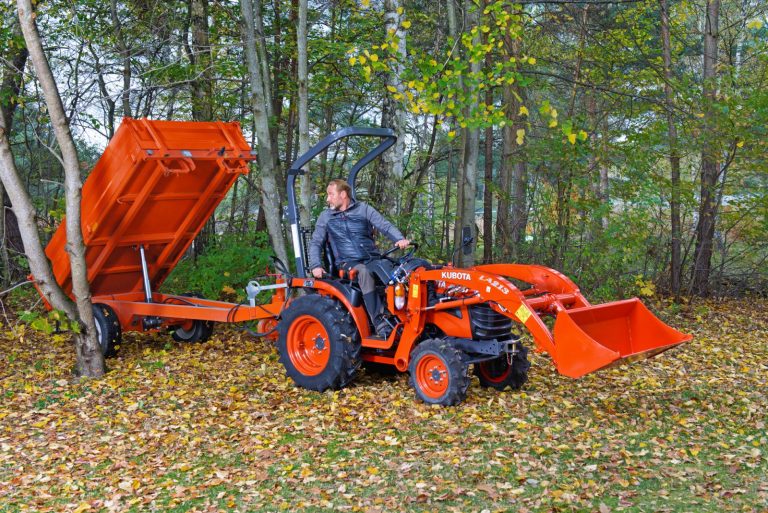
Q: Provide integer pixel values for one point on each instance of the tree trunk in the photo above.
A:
(488, 191)
(705, 228)
(303, 109)
(90, 361)
(125, 53)
(488, 185)
(201, 60)
(674, 156)
(503, 206)
(260, 102)
(13, 79)
(393, 113)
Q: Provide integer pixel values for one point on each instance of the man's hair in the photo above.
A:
(342, 185)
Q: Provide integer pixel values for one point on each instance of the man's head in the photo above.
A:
(339, 195)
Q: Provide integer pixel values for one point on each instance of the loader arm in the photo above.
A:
(585, 338)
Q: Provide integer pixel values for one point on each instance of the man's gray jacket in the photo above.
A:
(350, 233)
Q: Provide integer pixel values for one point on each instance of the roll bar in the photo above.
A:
(296, 169)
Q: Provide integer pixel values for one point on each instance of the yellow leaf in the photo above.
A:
(740, 144)
(520, 136)
(362, 59)
(374, 57)
(451, 134)
(572, 138)
(523, 111)
(755, 25)
(531, 60)
(406, 24)
(365, 3)
(397, 96)
(400, 10)
(553, 123)
(82, 507)
(373, 470)
(583, 135)
(553, 113)
(391, 89)
(352, 61)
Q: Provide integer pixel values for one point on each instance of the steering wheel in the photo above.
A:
(412, 249)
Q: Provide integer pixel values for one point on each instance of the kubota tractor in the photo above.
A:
(447, 319)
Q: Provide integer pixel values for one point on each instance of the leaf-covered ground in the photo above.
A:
(218, 427)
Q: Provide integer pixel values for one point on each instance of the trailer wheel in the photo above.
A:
(499, 374)
(108, 330)
(319, 344)
(195, 330)
(439, 374)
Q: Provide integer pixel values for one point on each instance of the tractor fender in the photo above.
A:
(350, 297)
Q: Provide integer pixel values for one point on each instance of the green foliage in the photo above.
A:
(49, 322)
(224, 270)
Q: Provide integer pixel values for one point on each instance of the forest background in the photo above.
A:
(623, 143)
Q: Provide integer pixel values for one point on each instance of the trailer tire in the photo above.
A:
(197, 331)
(108, 331)
(319, 345)
(499, 374)
(439, 373)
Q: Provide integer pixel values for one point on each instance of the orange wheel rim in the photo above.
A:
(432, 376)
(266, 325)
(495, 371)
(308, 345)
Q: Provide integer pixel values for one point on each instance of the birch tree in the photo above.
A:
(258, 71)
(90, 360)
(303, 108)
(393, 112)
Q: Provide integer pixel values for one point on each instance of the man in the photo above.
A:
(348, 225)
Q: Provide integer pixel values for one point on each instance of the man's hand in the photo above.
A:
(318, 272)
(402, 244)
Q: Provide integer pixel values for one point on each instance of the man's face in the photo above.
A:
(336, 198)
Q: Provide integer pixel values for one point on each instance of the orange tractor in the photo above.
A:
(159, 181)
(446, 319)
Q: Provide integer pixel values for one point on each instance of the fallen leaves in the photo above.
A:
(218, 426)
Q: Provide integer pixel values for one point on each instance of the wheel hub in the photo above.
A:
(436, 375)
(319, 343)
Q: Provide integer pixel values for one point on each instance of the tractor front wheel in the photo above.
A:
(319, 344)
(499, 373)
(439, 374)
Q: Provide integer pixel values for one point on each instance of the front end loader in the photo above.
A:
(447, 320)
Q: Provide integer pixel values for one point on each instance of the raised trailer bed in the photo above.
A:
(147, 198)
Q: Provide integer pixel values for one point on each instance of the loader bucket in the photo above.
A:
(595, 337)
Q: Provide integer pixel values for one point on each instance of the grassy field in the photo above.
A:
(218, 427)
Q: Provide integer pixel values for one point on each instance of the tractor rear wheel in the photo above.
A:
(108, 330)
(500, 374)
(319, 344)
(439, 373)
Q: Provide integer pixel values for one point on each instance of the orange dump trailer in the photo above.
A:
(148, 196)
